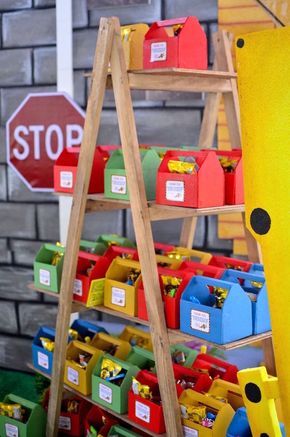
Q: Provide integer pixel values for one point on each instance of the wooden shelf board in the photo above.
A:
(122, 417)
(175, 335)
(98, 202)
(175, 72)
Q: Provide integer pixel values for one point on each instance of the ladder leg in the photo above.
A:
(92, 122)
(143, 232)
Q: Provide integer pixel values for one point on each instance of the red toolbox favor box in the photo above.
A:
(89, 267)
(124, 252)
(99, 421)
(171, 304)
(234, 182)
(226, 262)
(146, 412)
(201, 381)
(202, 189)
(202, 269)
(65, 170)
(175, 43)
(163, 249)
(216, 368)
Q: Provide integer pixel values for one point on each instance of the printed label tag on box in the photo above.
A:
(105, 393)
(66, 179)
(189, 432)
(64, 423)
(78, 287)
(199, 320)
(118, 296)
(11, 430)
(44, 277)
(73, 376)
(42, 360)
(158, 51)
(142, 411)
(119, 184)
(175, 191)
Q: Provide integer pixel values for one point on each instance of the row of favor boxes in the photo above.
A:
(175, 43)
(215, 298)
(179, 177)
(120, 376)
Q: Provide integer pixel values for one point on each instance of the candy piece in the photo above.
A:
(210, 415)
(87, 339)
(13, 411)
(171, 285)
(141, 389)
(89, 269)
(256, 284)
(47, 344)
(177, 29)
(194, 413)
(56, 257)
(182, 167)
(178, 357)
(73, 334)
(133, 276)
(109, 368)
(220, 295)
(233, 267)
(84, 358)
(174, 254)
(228, 164)
(72, 406)
(208, 423)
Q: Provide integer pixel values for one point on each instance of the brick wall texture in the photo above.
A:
(28, 64)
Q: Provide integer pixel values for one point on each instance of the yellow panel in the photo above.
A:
(240, 247)
(264, 87)
(236, 218)
(230, 230)
(281, 9)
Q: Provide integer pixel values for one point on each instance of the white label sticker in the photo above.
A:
(119, 184)
(118, 296)
(11, 430)
(73, 376)
(189, 432)
(175, 191)
(42, 360)
(199, 320)
(105, 393)
(158, 51)
(142, 411)
(78, 287)
(44, 277)
(64, 423)
(66, 179)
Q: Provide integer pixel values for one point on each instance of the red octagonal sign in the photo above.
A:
(41, 127)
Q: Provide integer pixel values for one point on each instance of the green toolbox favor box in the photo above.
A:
(141, 358)
(116, 186)
(115, 240)
(183, 355)
(46, 275)
(95, 247)
(34, 419)
(119, 431)
(109, 394)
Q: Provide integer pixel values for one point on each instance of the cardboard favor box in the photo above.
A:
(65, 170)
(142, 358)
(225, 262)
(216, 368)
(203, 188)
(108, 394)
(33, 427)
(100, 420)
(256, 287)
(137, 337)
(46, 275)
(43, 359)
(176, 43)
(132, 40)
(118, 430)
(114, 346)
(72, 423)
(116, 185)
(119, 294)
(202, 269)
(224, 414)
(200, 318)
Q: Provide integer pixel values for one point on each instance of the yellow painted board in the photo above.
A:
(235, 218)
(264, 88)
(240, 247)
(230, 230)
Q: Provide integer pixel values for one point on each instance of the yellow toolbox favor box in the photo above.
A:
(196, 405)
(111, 345)
(132, 40)
(137, 337)
(122, 279)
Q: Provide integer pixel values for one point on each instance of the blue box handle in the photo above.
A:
(237, 274)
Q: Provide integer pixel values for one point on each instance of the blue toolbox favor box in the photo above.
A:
(255, 287)
(239, 425)
(257, 268)
(42, 358)
(86, 328)
(200, 318)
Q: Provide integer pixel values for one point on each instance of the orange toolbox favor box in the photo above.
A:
(65, 170)
(203, 188)
(176, 43)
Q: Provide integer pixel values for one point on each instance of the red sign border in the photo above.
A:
(29, 96)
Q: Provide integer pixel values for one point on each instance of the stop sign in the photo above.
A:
(40, 128)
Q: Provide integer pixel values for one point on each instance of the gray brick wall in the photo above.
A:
(28, 64)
